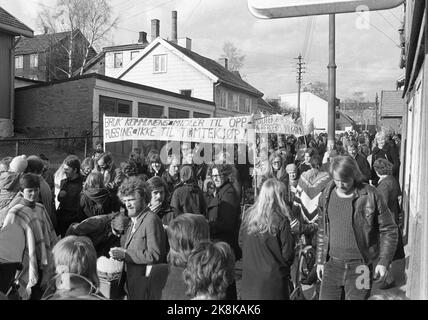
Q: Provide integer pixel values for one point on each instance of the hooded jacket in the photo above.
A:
(97, 201)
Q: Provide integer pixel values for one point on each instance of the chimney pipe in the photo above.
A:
(224, 62)
(142, 37)
(155, 29)
(174, 33)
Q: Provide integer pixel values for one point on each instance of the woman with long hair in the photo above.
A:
(267, 246)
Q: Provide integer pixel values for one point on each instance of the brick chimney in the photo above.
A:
(142, 37)
(174, 32)
(155, 29)
(224, 62)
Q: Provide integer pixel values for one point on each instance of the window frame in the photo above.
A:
(134, 52)
(165, 65)
(20, 65)
(184, 91)
(35, 60)
(116, 54)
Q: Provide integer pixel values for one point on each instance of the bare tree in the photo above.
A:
(318, 88)
(234, 55)
(92, 19)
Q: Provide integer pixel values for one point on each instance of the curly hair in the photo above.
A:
(210, 270)
(184, 233)
(132, 186)
(383, 167)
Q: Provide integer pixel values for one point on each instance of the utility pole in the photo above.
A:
(332, 85)
(300, 71)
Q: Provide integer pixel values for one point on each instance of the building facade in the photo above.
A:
(46, 56)
(10, 27)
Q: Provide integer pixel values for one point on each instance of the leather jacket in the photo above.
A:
(375, 230)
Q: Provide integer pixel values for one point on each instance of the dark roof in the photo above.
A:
(263, 105)
(12, 25)
(392, 104)
(225, 76)
(90, 63)
(40, 43)
(135, 46)
(347, 118)
(120, 82)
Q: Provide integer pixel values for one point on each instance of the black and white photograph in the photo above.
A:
(237, 151)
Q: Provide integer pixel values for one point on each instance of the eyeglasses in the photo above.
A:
(216, 176)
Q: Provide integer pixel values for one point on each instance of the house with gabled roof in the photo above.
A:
(10, 27)
(167, 65)
(45, 56)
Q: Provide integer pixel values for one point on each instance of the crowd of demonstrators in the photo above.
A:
(156, 218)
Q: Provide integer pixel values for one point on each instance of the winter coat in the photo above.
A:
(95, 202)
(189, 198)
(266, 263)
(224, 212)
(9, 187)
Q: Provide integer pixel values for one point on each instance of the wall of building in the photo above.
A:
(110, 69)
(5, 75)
(35, 73)
(55, 110)
(179, 75)
(311, 106)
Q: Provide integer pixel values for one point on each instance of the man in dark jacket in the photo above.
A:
(355, 231)
(69, 195)
(224, 211)
(361, 160)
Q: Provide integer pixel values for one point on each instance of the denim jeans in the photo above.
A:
(348, 279)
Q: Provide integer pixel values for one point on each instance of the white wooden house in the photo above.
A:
(169, 66)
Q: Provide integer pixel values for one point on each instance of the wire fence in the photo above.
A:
(55, 149)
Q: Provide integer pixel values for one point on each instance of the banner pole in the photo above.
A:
(104, 130)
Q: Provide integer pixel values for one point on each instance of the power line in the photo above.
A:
(379, 13)
(380, 30)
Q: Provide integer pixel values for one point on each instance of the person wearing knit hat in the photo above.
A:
(105, 231)
(188, 197)
(18, 164)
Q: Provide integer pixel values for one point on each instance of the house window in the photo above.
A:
(19, 62)
(247, 105)
(230, 101)
(186, 93)
(235, 104)
(223, 99)
(178, 114)
(159, 63)
(118, 60)
(34, 60)
(200, 115)
(134, 54)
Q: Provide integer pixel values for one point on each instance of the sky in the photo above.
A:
(367, 45)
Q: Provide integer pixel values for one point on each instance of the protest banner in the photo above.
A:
(279, 124)
(212, 130)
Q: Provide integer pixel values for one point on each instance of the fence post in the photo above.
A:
(17, 148)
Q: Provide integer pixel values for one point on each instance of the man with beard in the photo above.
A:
(171, 177)
(158, 202)
(144, 242)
